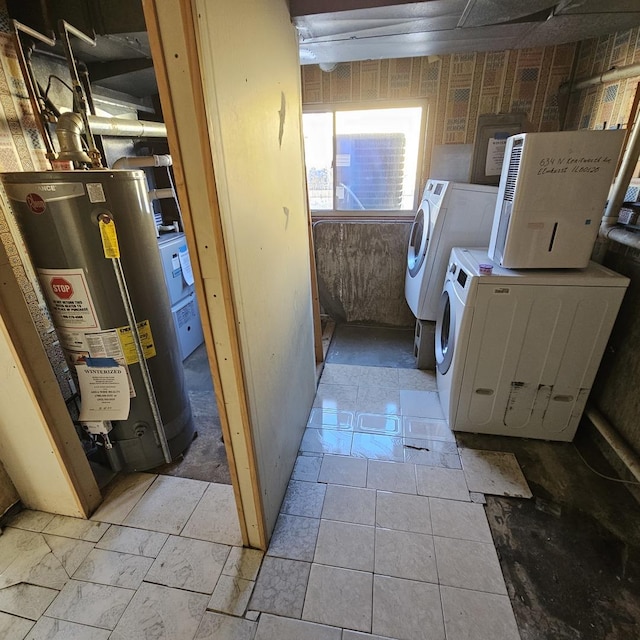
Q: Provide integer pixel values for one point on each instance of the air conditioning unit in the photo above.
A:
(553, 188)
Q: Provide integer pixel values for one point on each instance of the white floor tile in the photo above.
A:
(114, 568)
(343, 470)
(391, 476)
(277, 628)
(417, 379)
(494, 473)
(122, 495)
(430, 458)
(403, 554)
(441, 483)
(14, 542)
(350, 504)
(420, 404)
(338, 397)
(331, 419)
(473, 615)
(469, 565)
(70, 553)
(307, 468)
(339, 597)
(136, 541)
(215, 626)
(378, 400)
(231, 596)
(346, 374)
(215, 519)
(280, 587)
(26, 600)
(15, 628)
(407, 610)
(96, 605)
(294, 537)
(167, 505)
(326, 441)
(76, 528)
(378, 424)
(427, 429)
(34, 564)
(161, 613)
(375, 447)
(358, 635)
(303, 499)
(455, 519)
(243, 563)
(379, 377)
(403, 512)
(52, 629)
(189, 564)
(346, 545)
(31, 520)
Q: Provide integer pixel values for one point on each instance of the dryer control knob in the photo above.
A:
(452, 267)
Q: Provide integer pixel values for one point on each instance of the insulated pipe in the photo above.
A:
(627, 167)
(126, 128)
(137, 162)
(615, 440)
(619, 73)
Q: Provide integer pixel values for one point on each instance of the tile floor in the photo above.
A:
(378, 534)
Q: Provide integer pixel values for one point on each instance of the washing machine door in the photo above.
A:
(419, 239)
(445, 328)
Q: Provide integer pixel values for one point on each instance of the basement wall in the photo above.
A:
(361, 267)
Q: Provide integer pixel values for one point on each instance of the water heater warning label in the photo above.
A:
(68, 296)
(70, 304)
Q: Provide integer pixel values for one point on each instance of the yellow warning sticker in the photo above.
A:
(129, 347)
(109, 237)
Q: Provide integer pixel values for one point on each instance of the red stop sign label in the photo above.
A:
(36, 203)
(61, 288)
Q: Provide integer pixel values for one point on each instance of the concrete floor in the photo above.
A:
(205, 459)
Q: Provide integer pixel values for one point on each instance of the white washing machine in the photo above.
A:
(451, 214)
(517, 351)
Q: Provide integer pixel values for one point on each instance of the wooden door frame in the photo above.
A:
(173, 40)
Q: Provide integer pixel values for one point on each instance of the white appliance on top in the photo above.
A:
(553, 188)
(450, 214)
(517, 351)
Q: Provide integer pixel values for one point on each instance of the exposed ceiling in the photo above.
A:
(332, 31)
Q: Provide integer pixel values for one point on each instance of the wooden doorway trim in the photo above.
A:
(172, 36)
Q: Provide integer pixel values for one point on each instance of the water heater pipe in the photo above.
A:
(142, 361)
(126, 128)
(627, 167)
(615, 441)
(619, 73)
(161, 194)
(138, 162)
(68, 130)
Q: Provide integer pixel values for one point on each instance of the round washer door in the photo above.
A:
(419, 239)
(445, 330)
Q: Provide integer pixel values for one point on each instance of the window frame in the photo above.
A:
(358, 214)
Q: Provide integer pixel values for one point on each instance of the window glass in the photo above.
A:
(318, 152)
(375, 163)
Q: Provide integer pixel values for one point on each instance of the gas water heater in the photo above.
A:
(59, 214)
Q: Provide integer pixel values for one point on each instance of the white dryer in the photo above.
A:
(451, 214)
(517, 351)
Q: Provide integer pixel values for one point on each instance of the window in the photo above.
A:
(363, 160)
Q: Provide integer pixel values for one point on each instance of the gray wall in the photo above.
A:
(616, 392)
(361, 268)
